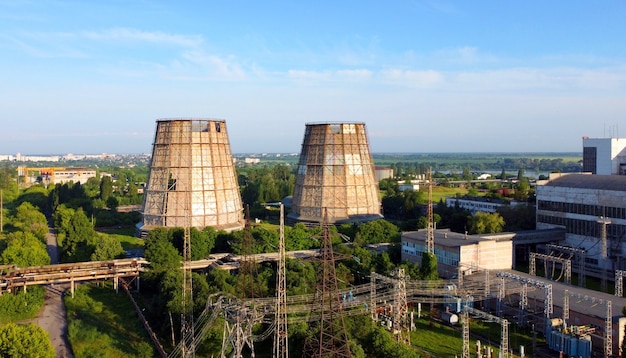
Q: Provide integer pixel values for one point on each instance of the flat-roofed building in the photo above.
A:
(582, 204)
(604, 156)
(454, 250)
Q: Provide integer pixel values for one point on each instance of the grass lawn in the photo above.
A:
(442, 192)
(102, 323)
(430, 339)
(126, 237)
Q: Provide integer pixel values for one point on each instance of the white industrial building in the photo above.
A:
(475, 204)
(604, 156)
(454, 250)
(584, 205)
(383, 173)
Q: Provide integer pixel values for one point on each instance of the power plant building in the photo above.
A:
(192, 180)
(592, 210)
(335, 176)
(604, 156)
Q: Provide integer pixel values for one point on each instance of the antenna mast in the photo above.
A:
(430, 234)
(280, 333)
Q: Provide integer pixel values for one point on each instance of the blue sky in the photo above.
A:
(424, 76)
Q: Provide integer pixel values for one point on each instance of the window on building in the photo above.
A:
(590, 159)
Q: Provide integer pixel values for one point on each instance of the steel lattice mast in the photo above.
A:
(281, 347)
(331, 340)
(430, 234)
(186, 325)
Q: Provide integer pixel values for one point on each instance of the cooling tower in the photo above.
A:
(192, 180)
(336, 173)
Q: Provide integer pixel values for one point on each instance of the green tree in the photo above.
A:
(377, 231)
(202, 242)
(107, 248)
(24, 250)
(412, 205)
(428, 269)
(518, 217)
(106, 188)
(28, 340)
(485, 223)
(467, 175)
(112, 203)
(80, 239)
(29, 218)
(120, 182)
(8, 184)
(161, 253)
(62, 216)
(298, 237)
(522, 189)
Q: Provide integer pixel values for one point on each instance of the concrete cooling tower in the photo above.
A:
(192, 180)
(336, 173)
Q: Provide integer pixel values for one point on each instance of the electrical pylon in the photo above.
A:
(281, 348)
(331, 340)
(247, 264)
(400, 319)
(243, 318)
(186, 320)
(430, 230)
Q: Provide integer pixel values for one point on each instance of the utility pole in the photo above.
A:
(332, 339)
(430, 233)
(603, 250)
(281, 349)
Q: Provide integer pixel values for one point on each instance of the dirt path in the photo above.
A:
(52, 317)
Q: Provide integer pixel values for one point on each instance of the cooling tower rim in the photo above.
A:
(358, 218)
(328, 123)
(190, 119)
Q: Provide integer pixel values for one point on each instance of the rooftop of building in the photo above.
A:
(589, 181)
(448, 238)
(482, 199)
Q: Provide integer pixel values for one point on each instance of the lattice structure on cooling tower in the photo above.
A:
(192, 179)
(335, 172)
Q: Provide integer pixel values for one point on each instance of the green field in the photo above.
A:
(104, 324)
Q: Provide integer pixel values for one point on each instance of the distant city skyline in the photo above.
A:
(424, 76)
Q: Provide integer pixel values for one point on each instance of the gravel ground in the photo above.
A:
(52, 317)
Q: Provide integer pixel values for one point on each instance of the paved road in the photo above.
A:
(52, 317)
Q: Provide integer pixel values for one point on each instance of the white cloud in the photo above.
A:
(361, 74)
(156, 37)
(200, 66)
(412, 78)
(551, 79)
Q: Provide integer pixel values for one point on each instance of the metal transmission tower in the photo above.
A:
(281, 348)
(400, 327)
(619, 282)
(603, 250)
(579, 255)
(466, 334)
(400, 318)
(608, 319)
(548, 308)
(186, 319)
(331, 340)
(566, 266)
(187, 324)
(241, 318)
(247, 264)
(430, 233)
(504, 328)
